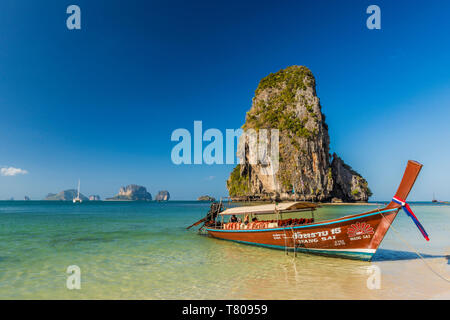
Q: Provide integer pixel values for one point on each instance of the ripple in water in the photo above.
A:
(142, 251)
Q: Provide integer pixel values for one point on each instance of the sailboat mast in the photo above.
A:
(78, 196)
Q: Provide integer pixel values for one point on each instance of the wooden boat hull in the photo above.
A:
(355, 237)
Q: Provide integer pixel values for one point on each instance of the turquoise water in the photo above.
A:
(131, 250)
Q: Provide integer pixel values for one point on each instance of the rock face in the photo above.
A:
(132, 192)
(349, 186)
(287, 100)
(206, 198)
(66, 195)
(94, 198)
(162, 196)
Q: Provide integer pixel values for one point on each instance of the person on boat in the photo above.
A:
(246, 219)
(255, 219)
(233, 218)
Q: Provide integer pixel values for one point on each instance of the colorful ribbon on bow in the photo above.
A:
(411, 214)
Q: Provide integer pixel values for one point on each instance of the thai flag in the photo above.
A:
(411, 214)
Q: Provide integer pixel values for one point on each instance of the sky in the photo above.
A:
(100, 103)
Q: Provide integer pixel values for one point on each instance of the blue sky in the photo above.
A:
(100, 103)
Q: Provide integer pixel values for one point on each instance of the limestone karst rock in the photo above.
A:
(132, 192)
(349, 186)
(162, 196)
(66, 195)
(287, 100)
(206, 198)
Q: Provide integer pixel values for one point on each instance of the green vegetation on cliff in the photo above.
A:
(292, 77)
(367, 189)
(237, 185)
(273, 113)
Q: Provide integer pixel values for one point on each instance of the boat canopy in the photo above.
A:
(270, 208)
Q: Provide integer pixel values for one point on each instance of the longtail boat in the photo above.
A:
(354, 236)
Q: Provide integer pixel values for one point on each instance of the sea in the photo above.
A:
(142, 250)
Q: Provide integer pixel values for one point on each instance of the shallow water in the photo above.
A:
(135, 250)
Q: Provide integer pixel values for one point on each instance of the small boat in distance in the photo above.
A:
(78, 199)
(275, 226)
(434, 198)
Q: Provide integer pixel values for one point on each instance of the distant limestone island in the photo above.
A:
(132, 192)
(163, 196)
(66, 195)
(287, 100)
(206, 198)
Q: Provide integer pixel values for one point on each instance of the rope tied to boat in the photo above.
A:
(413, 248)
(410, 213)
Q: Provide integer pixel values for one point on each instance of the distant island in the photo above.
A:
(163, 196)
(287, 100)
(66, 195)
(132, 192)
(206, 198)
